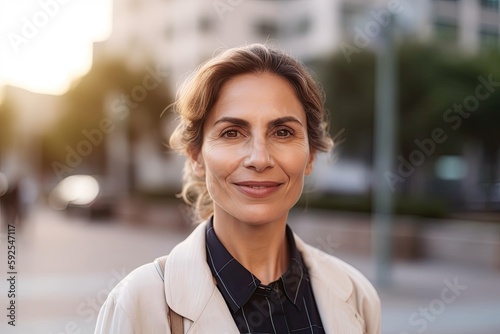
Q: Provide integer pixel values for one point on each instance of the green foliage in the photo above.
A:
(349, 90)
(430, 82)
(407, 206)
(6, 123)
(486, 120)
(86, 103)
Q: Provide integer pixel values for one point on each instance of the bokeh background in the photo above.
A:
(410, 195)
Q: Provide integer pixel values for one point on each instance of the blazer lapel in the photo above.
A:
(337, 316)
(190, 290)
(216, 318)
(332, 288)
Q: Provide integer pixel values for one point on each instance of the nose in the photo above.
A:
(259, 156)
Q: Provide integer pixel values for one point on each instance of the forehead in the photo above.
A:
(257, 96)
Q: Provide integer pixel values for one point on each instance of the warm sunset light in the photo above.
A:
(45, 44)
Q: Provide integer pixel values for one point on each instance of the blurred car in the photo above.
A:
(81, 194)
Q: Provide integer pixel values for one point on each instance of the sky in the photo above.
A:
(45, 44)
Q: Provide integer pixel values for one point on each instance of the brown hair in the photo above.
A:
(200, 91)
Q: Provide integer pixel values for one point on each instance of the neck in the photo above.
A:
(261, 248)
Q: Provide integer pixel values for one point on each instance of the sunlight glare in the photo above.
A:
(48, 43)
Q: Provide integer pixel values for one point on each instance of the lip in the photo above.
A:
(258, 189)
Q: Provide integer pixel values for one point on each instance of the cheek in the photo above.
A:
(218, 167)
(294, 162)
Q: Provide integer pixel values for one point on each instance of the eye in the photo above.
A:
(283, 133)
(230, 134)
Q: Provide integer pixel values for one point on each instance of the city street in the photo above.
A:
(67, 265)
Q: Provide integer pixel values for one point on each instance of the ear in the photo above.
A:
(198, 166)
(310, 163)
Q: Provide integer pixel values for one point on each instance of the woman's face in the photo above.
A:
(255, 149)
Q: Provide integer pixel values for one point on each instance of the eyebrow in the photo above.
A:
(243, 123)
(283, 120)
(233, 120)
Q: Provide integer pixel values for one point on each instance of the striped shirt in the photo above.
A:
(286, 305)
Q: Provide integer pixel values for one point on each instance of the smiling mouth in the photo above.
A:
(258, 189)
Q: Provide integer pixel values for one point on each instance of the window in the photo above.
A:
(489, 39)
(267, 29)
(490, 4)
(303, 26)
(206, 24)
(446, 32)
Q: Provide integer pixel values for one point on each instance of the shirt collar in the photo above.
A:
(296, 274)
(237, 284)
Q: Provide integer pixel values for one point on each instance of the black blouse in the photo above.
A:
(286, 305)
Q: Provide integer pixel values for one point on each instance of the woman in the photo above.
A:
(252, 121)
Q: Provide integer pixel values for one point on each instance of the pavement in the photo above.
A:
(67, 265)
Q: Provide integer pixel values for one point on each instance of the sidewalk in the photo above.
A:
(432, 297)
(67, 266)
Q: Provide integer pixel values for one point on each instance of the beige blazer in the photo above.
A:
(347, 302)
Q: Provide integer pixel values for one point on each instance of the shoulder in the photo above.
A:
(347, 282)
(135, 304)
(138, 284)
(332, 265)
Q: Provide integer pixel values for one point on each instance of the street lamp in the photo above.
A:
(384, 144)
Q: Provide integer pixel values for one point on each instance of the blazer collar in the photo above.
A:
(188, 278)
(332, 288)
(190, 289)
(322, 268)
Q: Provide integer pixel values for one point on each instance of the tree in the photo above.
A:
(138, 96)
(349, 90)
(431, 84)
(6, 123)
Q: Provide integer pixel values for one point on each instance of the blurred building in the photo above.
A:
(21, 159)
(180, 34)
(177, 35)
(34, 115)
(472, 24)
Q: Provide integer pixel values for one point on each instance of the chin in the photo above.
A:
(260, 214)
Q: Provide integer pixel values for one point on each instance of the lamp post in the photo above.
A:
(384, 143)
